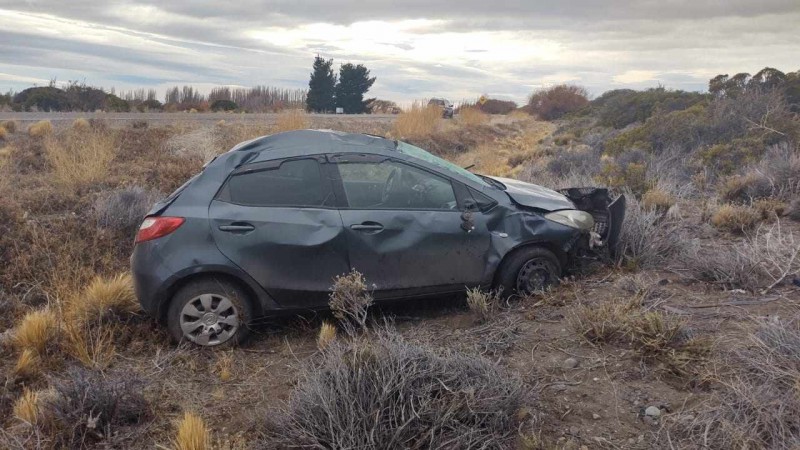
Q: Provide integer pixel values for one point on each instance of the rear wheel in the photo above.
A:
(210, 312)
(528, 271)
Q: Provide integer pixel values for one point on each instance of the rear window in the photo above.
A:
(294, 183)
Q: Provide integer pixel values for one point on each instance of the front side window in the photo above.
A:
(292, 183)
(394, 185)
(416, 152)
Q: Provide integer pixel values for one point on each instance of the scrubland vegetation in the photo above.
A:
(686, 338)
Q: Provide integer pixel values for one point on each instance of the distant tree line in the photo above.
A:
(327, 91)
(77, 96)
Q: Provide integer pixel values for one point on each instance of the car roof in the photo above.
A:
(310, 142)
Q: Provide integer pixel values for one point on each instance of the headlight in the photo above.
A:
(572, 218)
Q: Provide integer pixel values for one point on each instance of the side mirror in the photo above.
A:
(470, 205)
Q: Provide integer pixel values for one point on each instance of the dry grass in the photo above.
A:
(648, 239)
(40, 129)
(38, 331)
(417, 122)
(9, 125)
(26, 407)
(293, 119)
(350, 301)
(81, 124)
(28, 365)
(201, 144)
(770, 208)
(3, 134)
(654, 332)
(223, 366)
(326, 336)
(735, 218)
(658, 199)
(757, 405)
(483, 305)
(603, 323)
(91, 344)
(380, 391)
(471, 117)
(80, 158)
(192, 434)
(104, 298)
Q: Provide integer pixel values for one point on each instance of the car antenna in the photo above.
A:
(469, 167)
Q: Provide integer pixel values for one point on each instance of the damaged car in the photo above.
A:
(265, 227)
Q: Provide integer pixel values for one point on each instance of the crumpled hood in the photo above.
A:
(535, 196)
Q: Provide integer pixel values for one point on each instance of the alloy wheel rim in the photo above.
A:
(209, 319)
(533, 277)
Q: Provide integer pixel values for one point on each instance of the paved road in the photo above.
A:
(27, 117)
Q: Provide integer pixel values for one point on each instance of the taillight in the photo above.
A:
(155, 227)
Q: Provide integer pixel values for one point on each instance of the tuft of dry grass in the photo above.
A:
(91, 344)
(600, 324)
(735, 218)
(9, 125)
(40, 129)
(193, 434)
(28, 365)
(327, 334)
(654, 332)
(658, 199)
(3, 134)
(770, 208)
(37, 331)
(482, 304)
(350, 301)
(223, 366)
(417, 122)
(104, 297)
(289, 120)
(79, 159)
(81, 124)
(26, 407)
(472, 117)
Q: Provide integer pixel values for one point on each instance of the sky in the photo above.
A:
(416, 48)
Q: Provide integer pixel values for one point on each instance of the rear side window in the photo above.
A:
(293, 183)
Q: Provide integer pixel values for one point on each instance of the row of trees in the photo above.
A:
(326, 91)
(77, 96)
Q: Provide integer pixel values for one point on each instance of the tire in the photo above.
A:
(222, 311)
(542, 270)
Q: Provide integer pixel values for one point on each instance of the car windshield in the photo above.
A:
(416, 152)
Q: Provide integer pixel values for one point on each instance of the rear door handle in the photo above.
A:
(367, 226)
(237, 227)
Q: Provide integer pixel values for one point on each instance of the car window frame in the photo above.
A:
(335, 159)
(330, 201)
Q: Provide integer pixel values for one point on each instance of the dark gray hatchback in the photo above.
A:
(265, 228)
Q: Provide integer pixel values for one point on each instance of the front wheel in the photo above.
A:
(210, 312)
(528, 271)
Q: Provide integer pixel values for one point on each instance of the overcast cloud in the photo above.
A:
(417, 49)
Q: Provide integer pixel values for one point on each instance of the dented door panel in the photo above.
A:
(294, 253)
(415, 249)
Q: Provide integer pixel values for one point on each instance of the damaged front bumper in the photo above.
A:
(608, 216)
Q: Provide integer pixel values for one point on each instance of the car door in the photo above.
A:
(277, 221)
(405, 229)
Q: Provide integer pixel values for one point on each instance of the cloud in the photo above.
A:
(416, 49)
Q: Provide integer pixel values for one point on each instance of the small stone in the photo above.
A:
(652, 411)
(570, 363)
(559, 387)
(596, 416)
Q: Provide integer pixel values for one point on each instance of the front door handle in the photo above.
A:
(237, 227)
(367, 226)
